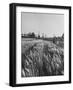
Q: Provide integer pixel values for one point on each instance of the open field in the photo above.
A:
(41, 58)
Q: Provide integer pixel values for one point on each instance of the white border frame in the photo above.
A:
(65, 77)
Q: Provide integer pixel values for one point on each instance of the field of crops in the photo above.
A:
(41, 58)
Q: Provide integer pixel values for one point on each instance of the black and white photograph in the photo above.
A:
(40, 44)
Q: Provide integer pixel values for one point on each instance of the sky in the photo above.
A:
(48, 23)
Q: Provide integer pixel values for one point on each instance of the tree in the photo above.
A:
(63, 35)
(54, 39)
(38, 36)
(31, 35)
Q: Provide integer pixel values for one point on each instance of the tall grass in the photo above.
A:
(41, 59)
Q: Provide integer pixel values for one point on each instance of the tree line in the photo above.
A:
(33, 35)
